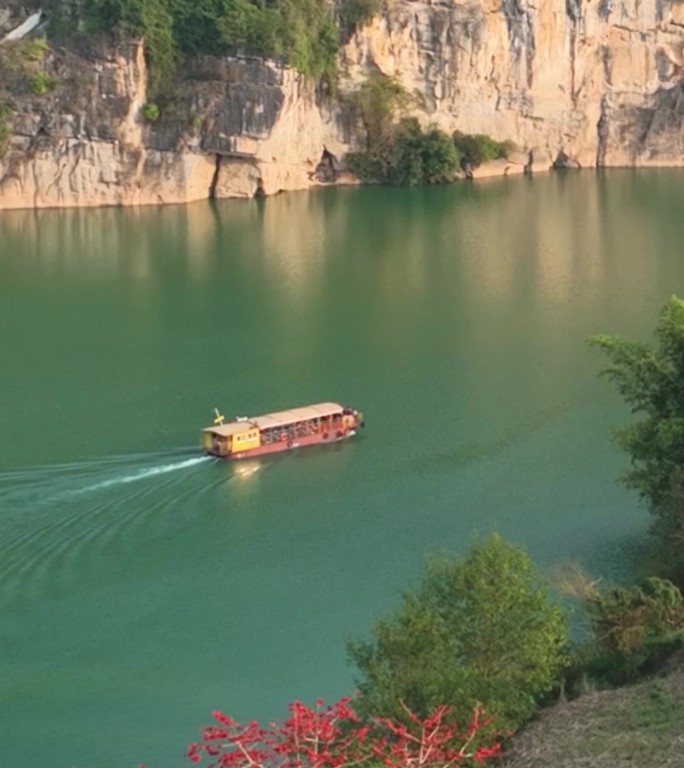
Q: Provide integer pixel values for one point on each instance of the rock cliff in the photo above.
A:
(235, 127)
(574, 82)
(578, 83)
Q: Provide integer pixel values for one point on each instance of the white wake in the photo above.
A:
(145, 473)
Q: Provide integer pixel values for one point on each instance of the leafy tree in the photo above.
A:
(482, 628)
(377, 102)
(651, 381)
(404, 154)
(424, 158)
(299, 31)
(149, 19)
(627, 619)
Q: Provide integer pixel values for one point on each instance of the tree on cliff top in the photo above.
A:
(299, 31)
(480, 629)
(651, 381)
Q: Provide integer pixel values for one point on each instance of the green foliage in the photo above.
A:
(308, 37)
(300, 31)
(626, 619)
(354, 14)
(407, 156)
(637, 726)
(634, 628)
(150, 112)
(403, 153)
(397, 153)
(21, 63)
(377, 102)
(22, 56)
(425, 158)
(148, 19)
(479, 629)
(6, 114)
(660, 710)
(476, 149)
(651, 381)
(42, 83)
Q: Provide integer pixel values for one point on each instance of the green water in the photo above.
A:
(141, 585)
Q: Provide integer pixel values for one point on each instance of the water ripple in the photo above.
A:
(56, 519)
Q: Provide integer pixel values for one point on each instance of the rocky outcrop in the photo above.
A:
(572, 83)
(236, 127)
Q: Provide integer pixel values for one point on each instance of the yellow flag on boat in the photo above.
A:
(219, 417)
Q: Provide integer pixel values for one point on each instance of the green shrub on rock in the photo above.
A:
(150, 112)
(42, 83)
(478, 148)
(6, 113)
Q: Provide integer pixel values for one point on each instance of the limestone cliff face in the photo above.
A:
(236, 127)
(579, 82)
(570, 82)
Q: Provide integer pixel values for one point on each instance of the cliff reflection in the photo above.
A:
(509, 239)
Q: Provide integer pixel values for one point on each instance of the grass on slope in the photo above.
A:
(640, 726)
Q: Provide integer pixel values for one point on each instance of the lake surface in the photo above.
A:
(142, 585)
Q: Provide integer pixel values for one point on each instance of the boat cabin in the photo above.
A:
(280, 430)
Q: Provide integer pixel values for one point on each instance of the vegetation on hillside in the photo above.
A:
(634, 629)
(22, 72)
(639, 726)
(301, 32)
(21, 67)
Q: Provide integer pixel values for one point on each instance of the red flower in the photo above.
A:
(335, 737)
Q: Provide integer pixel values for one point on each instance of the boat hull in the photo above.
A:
(288, 445)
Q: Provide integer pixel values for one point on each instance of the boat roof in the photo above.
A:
(277, 419)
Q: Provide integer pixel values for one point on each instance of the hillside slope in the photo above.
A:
(640, 726)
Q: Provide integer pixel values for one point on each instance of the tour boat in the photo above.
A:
(274, 432)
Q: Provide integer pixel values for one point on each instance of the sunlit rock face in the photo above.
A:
(236, 127)
(571, 83)
(584, 83)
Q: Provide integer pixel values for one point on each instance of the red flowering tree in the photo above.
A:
(335, 737)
